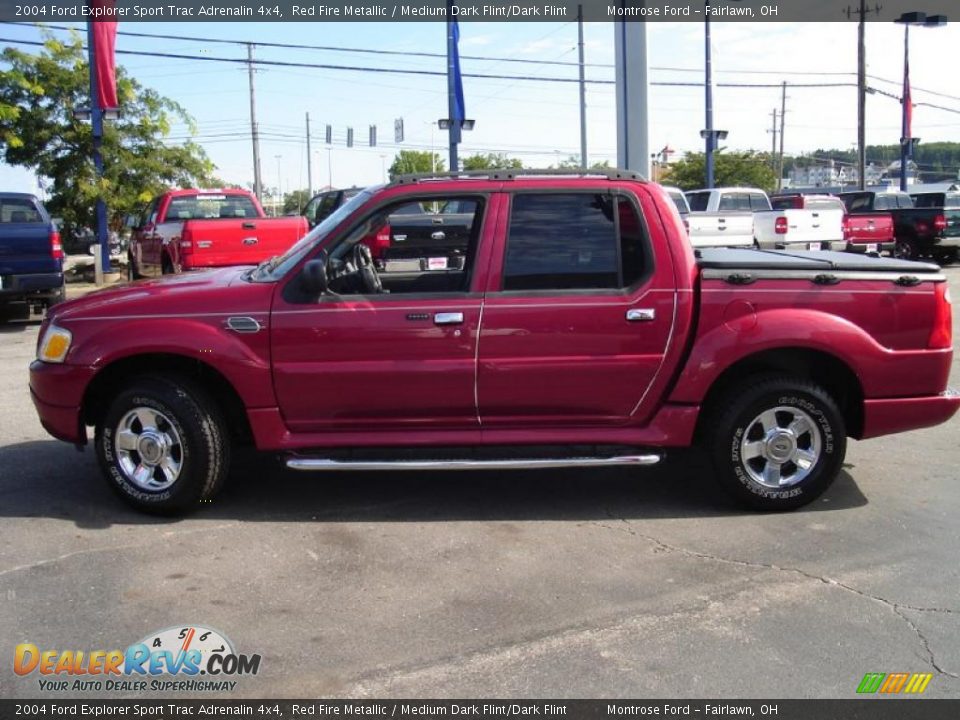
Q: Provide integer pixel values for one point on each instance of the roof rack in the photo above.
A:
(513, 173)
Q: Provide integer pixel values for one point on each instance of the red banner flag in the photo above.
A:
(104, 36)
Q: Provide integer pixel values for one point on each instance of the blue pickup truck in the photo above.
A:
(31, 257)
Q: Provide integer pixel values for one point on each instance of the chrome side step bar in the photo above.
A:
(305, 463)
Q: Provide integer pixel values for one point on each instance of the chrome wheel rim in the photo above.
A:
(148, 449)
(781, 447)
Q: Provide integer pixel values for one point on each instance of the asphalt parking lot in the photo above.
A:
(528, 584)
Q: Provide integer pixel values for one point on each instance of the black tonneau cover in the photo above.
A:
(751, 259)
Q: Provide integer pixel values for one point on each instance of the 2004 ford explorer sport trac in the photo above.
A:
(580, 330)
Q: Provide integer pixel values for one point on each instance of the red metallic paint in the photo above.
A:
(521, 369)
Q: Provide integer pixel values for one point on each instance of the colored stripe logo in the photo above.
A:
(894, 683)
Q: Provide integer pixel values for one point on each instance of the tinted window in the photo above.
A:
(736, 202)
(824, 204)
(570, 242)
(19, 210)
(186, 207)
(698, 201)
(786, 203)
(679, 201)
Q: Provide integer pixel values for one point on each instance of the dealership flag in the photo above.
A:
(104, 35)
(459, 111)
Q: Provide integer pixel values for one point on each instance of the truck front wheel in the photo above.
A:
(163, 445)
(777, 442)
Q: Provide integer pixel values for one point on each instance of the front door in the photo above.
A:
(577, 322)
(404, 359)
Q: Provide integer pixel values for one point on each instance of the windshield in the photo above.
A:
(281, 265)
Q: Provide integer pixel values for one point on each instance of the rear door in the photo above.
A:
(578, 311)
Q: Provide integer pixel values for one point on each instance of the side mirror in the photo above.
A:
(313, 277)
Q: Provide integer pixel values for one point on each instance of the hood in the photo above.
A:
(222, 290)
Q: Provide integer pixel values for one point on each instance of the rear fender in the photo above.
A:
(881, 372)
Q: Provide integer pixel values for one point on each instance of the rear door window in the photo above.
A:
(573, 241)
(19, 210)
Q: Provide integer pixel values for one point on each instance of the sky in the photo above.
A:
(536, 121)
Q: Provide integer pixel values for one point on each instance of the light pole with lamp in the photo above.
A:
(907, 142)
(709, 134)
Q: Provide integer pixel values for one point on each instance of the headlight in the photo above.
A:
(55, 345)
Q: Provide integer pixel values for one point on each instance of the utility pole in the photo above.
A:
(583, 92)
(455, 122)
(309, 161)
(783, 115)
(862, 12)
(773, 149)
(254, 131)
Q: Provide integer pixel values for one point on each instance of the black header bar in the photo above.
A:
(130, 11)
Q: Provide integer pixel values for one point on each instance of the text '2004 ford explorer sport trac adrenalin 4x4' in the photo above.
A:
(580, 330)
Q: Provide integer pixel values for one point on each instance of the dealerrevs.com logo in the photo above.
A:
(187, 658)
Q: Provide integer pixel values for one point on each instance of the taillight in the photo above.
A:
(56, 249)
(381, 243)
(185, 243)
(847, 230)
(940, 223)
(941, 336)
(780, 226)
(686, 225)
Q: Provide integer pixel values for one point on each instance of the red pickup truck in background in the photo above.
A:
(191, 229)
(581, 331)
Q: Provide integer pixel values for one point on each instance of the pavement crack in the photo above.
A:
(895, 607)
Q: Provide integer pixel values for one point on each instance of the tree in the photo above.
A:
(295, 201)
(38, 97)
(573, 163)
(414, 161)
(731, 169)
(491, 161)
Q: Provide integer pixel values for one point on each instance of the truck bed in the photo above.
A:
(820, 261)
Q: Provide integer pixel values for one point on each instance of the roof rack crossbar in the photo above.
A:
(512, 173)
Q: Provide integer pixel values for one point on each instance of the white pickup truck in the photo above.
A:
(732, 217)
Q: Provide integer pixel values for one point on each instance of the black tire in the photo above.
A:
(906, 250)
(737, 421)
(186, 415)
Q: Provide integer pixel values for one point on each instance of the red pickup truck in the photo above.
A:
(191, 229)
(581, 330)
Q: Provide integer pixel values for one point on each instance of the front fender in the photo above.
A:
(882, 372)
(243, 359)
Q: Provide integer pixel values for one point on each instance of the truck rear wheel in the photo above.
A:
(777, 443)
(163, 445)
(906, 250)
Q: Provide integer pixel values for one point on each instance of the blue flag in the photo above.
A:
(459, 112)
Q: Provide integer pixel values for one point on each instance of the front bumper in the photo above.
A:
(57, 393)
(894, 415)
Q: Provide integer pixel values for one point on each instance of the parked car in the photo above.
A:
(809, 222)
(323, 204)
(190, 229)
(680, 200)
(866, 230)
(581, 331)
(31, 258)
(723, 217)
(918, 232)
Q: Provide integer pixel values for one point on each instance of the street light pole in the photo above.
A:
(708, 84)
(905, 135)
(907, 141)
(96, 122)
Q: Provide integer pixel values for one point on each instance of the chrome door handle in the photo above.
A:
(448, 318)
(438, 235)
(641, 315)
